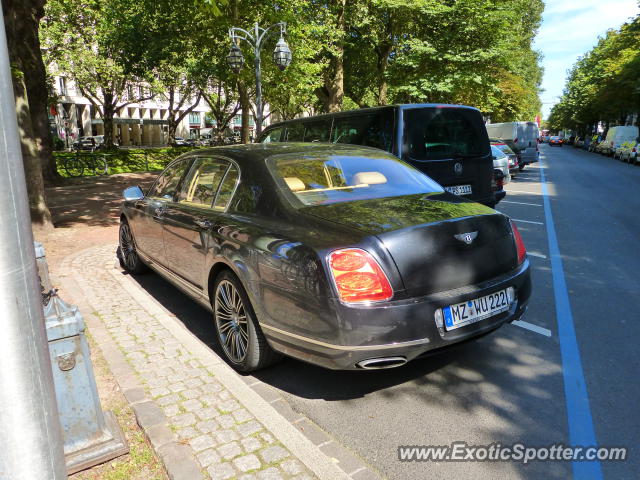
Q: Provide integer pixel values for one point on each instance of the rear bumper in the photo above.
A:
(403, 328)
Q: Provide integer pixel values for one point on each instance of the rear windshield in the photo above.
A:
(438, 133)
(328, 179)
(497, 152)
(504, 148)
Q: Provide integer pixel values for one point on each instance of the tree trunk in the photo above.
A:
(245, 105)
(173, 126)
(331, 93)
(383, 62)
(108, 111)
(36, 84)
(30, 143)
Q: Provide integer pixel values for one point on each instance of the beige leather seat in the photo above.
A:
(295, 184)
(368, 178)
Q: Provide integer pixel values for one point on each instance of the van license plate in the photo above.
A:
(461, 314)
(459, 189)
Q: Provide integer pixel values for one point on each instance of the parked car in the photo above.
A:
(616, 136)
(501, 174)
(521, 137)
(628, 152)
(85, 143)
(512, 157)
(447, 142)
(555, 140)
(342, 256)
(179, 142)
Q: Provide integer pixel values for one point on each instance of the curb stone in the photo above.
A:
(179, 456)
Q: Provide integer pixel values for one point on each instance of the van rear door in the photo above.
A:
(450, 144)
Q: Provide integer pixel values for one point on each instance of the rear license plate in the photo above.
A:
(459, 189)
(461, 314)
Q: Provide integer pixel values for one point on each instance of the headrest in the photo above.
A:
(370, 178)
(295, 184)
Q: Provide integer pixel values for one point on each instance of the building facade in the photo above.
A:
(142, 123)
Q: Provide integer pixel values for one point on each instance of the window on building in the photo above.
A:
(194, 118)
(237, 120)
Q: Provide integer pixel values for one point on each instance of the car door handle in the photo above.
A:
(159, 211)
(203, 223)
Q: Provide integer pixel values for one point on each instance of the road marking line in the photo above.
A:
(531, 327)
(527, 221)
(581, 431)
(536, 254)
(522, 203)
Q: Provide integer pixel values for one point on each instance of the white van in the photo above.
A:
(616, 136)
(521, 137)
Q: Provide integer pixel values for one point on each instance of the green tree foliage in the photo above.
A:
(346, 53)
(604, 84)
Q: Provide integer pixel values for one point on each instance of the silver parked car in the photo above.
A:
(501, 162)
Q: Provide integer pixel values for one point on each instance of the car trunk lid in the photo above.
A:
(438, 242)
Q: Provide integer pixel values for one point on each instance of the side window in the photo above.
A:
(374, 130)
(317, 131)
(169, 181)
(273, 135)
(295, 132)
(201, 184)
(227, 188)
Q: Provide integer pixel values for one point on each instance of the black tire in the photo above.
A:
(127, 254)
(521, 167)
(238, 331)
(74, 166)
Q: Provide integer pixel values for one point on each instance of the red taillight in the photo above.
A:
(358, 277)
(522, 251)
(634, 149)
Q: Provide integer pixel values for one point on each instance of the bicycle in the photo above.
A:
(95, 163)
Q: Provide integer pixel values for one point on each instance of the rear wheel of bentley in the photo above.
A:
(239, 334)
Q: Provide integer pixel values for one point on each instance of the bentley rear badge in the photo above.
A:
(467, 238)
(457, 168)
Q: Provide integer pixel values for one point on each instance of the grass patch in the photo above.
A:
(122, 160)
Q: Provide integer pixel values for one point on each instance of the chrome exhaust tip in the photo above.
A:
(382, 362)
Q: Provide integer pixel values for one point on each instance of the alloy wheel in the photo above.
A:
(127, 247)
(231, 321)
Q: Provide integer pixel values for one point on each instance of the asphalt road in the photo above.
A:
(517, 385)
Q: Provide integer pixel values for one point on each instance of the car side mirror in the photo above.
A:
(131, 194)
(494, 157)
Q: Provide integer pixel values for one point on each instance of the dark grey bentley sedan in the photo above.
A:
(342, 256)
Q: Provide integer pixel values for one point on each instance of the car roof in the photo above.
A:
(261, 151)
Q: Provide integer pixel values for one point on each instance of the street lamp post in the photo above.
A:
(256, 38)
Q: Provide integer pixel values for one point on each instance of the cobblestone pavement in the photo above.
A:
(227, 440)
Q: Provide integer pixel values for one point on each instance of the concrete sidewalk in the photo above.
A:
(202, 419)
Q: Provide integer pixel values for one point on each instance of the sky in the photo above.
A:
(570, 28)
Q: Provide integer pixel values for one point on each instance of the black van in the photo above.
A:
(447, 142)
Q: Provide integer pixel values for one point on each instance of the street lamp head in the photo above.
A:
(282, 54)
(235, 60)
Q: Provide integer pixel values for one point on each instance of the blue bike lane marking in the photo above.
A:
(581, 431)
